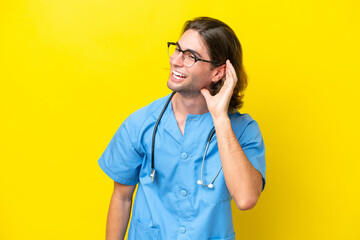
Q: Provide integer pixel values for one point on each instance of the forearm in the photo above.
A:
(118, 218)
(243, 181)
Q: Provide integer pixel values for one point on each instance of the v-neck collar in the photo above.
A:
(170, 124)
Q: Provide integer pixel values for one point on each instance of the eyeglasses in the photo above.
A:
(188, 56)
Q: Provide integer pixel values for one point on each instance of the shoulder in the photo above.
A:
(144, 116)
(241, 120)
(244, 125)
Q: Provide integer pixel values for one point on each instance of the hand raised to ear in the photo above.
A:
(218, 104)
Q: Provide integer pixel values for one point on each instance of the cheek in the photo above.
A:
(202, 80)
(204, 76)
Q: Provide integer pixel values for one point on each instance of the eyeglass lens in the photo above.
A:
(188, 57)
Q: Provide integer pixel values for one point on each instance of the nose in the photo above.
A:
(177, 60)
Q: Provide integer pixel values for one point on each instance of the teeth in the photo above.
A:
(178, 74)
(177, 77)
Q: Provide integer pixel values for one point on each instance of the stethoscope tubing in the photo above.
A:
(212, 132)
(152, 175)
(201, 182)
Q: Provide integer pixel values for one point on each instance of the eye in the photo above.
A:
(189, 55)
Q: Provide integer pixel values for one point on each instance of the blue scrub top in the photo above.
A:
(175, 206)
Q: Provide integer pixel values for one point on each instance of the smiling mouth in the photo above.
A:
(178, 75)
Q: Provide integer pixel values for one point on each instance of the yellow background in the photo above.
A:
(72, 71)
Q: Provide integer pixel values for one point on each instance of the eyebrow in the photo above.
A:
(190, 50)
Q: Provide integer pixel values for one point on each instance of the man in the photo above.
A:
(187, 172)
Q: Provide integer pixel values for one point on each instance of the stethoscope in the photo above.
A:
(212, 132)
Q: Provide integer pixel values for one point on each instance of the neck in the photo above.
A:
(184, 105)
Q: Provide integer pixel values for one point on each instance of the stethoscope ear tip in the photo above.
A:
(199, 182)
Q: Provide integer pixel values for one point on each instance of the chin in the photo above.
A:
(173, 86)
(185, 90)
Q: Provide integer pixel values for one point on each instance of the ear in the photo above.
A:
(219, 73)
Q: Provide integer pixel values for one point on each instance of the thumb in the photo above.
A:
(206, 94)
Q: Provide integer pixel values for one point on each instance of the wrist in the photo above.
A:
(221, 120)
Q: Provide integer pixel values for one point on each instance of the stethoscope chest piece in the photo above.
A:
(152, 175)
(201, 183)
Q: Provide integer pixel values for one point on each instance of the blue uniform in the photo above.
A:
(175, 206)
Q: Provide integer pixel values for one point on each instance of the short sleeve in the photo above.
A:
(121, 161)
(252, 143)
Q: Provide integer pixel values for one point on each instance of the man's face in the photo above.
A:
(189, 80)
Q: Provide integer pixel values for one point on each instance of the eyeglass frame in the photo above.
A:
(196, 59)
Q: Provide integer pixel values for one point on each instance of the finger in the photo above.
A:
(231, 67)
(228, 73)
(227, 88)
(232, 73)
